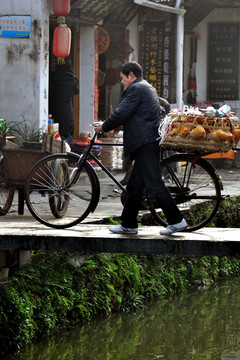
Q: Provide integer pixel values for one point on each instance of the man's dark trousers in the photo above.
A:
(146, 174)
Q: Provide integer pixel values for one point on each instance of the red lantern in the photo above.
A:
(61, 41)
(61, 7)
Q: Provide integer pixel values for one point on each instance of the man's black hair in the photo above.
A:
(134, 67)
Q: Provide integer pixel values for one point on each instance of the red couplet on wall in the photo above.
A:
(61, 41)
(61, 7)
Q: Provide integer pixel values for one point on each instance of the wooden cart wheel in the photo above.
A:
(6, 190)
(59, 201)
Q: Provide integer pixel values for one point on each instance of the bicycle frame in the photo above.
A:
(87, 154)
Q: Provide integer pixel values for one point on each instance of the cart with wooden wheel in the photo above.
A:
(16, 163)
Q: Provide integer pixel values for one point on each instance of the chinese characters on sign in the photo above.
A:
(166, 61)
(156, 56)
(223, 61)
(15, 26)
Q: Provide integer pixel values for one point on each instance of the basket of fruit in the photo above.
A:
(195, 130)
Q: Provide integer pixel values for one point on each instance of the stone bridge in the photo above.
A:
(93, 238)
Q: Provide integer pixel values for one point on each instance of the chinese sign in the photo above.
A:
(156, 56)
(15, 26)
(223, 55)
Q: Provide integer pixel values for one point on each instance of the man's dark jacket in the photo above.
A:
(139, 113)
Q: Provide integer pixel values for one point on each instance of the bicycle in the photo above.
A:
(62, 189)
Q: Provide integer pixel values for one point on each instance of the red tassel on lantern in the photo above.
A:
(61, 41)
(61, 7)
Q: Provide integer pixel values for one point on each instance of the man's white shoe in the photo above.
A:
(119, 229)
(171, 229)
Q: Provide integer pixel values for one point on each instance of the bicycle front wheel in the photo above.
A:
(53, 198)
(195, 186)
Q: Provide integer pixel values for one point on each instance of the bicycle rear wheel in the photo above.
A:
(53, 198)
(195, 186)
(6, 190)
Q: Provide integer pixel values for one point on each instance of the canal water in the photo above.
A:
(201, 325)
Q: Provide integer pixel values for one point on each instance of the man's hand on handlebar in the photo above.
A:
(98, 127)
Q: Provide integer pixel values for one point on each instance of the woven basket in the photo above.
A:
(184, 141)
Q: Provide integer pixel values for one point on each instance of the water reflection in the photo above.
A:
(202, 325)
